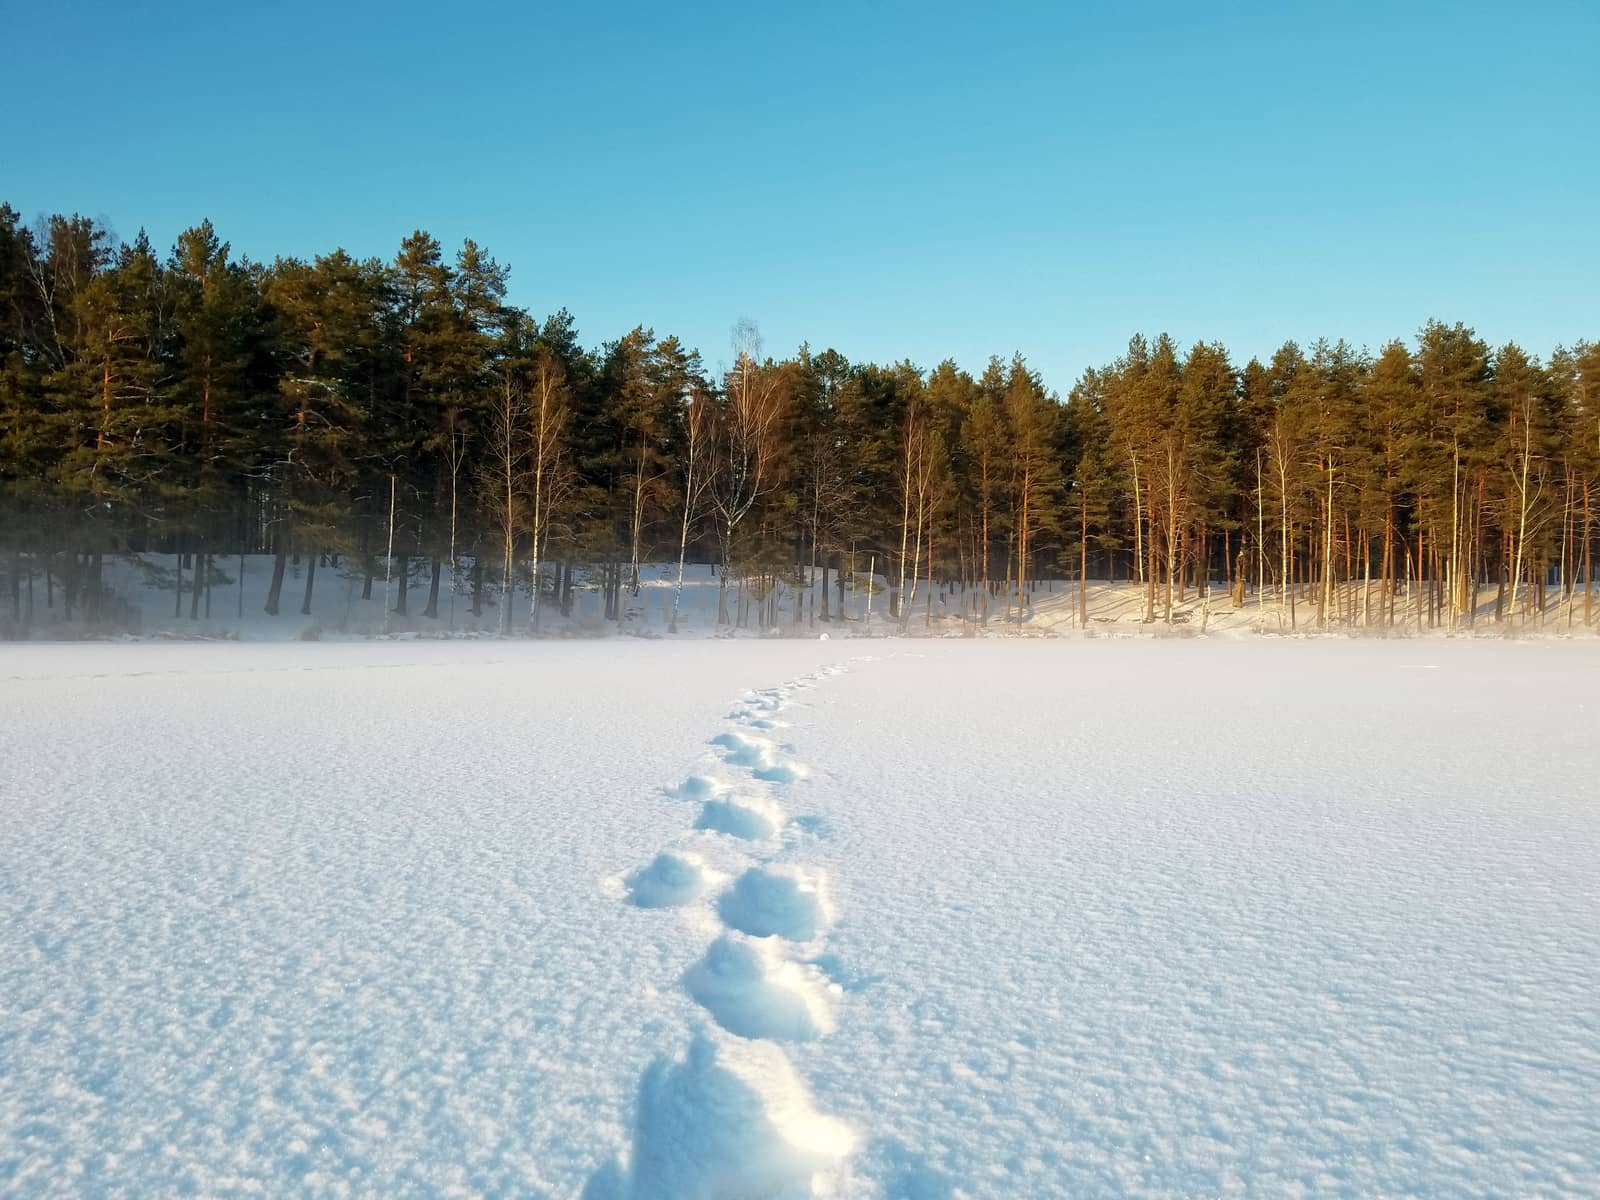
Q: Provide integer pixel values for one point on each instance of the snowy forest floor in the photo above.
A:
(797, 918)
(148, 596)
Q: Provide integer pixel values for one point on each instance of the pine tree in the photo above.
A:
(1454, 368)
(1390, 393)
(219, 342)
(327, 426)
(1206, 412)
(1034, 420)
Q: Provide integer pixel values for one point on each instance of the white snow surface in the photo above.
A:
(716, 920)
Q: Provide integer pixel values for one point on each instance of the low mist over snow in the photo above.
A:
(800, 918)
(334, 598)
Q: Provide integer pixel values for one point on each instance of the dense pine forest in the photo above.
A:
(402, 420)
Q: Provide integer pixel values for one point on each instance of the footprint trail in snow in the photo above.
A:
(731, 1117)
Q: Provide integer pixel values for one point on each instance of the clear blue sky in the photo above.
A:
(896, 180)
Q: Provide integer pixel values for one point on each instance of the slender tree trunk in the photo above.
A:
(455, 562)
(1261, 538)
(1588, 563)
(636, 530)
(1388, 586)
(1152, 571)
(1138, 524)
(1501, 577)
(1564, 581)
(95, 587)
(1522, 510)
(1477, 550)
(722, 576)
(201, 580)
(432, 609)
(1422, 545)
(280, 561)
(1172, 524)
(1454, 566)
(1325, 598)
(1022, 539)
(1235, 594)
(311, 575)
(683, 536)
(388, 557)
(540, 518)
(906, 604)
(872, 567)
(1011, 563)
(1287, 561)
(1349, 573)
(1366, 579)
(985, 495)
(1083, 560)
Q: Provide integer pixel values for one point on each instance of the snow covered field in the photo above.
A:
(727, 919)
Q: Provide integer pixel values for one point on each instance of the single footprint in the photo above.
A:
(730, 1119)
(812, 826)
(779, 773)
(670, 880)
(752, 718)
(740, 819)
(753, 992)
(696, 787)
(744, 751)
(775, 901)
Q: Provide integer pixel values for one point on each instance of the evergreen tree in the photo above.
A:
(201, 407)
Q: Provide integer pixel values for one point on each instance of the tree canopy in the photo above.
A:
(404, 416)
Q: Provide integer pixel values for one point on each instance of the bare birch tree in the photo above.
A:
(548, 421)
(748, 444)
(699, 421)
(503, 480)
